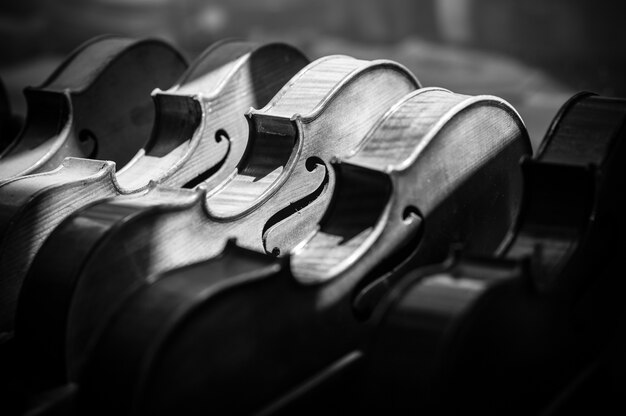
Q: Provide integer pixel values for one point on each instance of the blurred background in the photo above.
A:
(533, 53)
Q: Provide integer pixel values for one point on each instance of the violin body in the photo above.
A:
(275, 173)
(273, 328)
(525, 321)
(200, 132)
(95, 105)
(279, 242)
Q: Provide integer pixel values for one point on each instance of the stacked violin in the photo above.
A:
(259, 234)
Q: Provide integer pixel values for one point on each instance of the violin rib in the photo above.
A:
(185, 144)
(258, 233)
(241, 333)
(95, 105)
(162, 231)
(533, 305)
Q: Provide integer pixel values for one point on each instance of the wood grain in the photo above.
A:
(196, 336)
(426, 146)
(95, 104)
(183, 146)
(154, 235)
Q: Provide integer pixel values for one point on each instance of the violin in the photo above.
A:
(200, 134)
(323, 112)
(508, 332)
(434, 168)
(96, 104)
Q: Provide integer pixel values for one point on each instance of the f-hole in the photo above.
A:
(410, 214)
(220, 135)
(311, 164)
(360, 198)
(271, 146)
(88, 143)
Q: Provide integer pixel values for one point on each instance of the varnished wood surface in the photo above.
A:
(96, 104)
(185, 145)
(546, 303)
(31, 207)
(277, 332)
(428, 145)
(346, 236)
(222, 84)
(140, 236)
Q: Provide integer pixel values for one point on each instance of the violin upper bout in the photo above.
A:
(428, 156)
(95, 105)
(326, 110)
